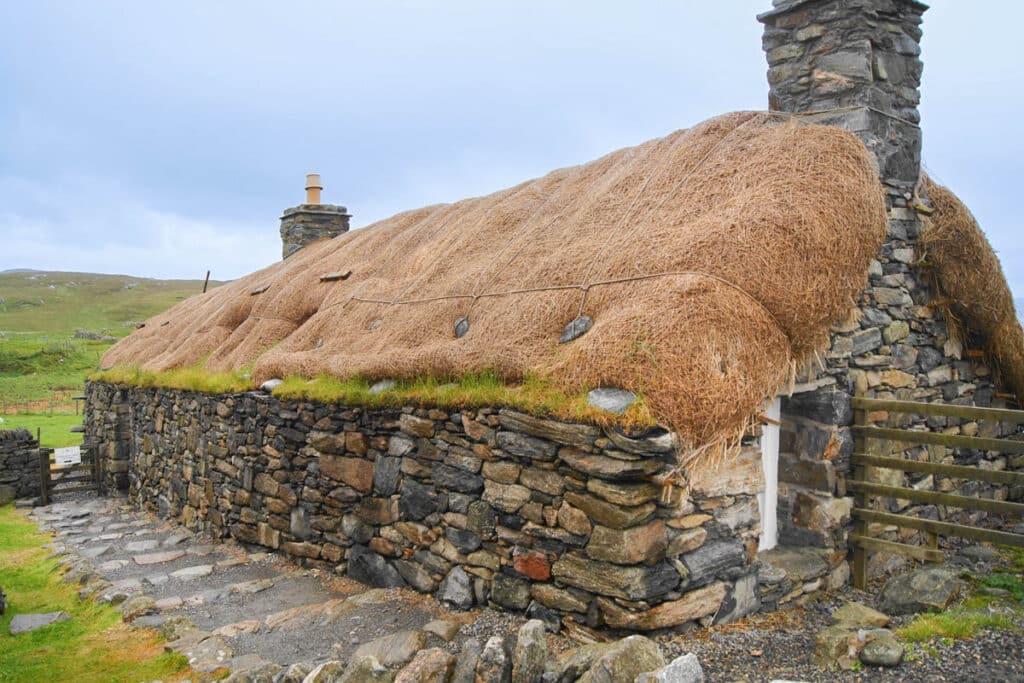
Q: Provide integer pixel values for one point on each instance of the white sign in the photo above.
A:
(71, 455)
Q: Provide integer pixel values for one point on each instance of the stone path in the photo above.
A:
(222, 605)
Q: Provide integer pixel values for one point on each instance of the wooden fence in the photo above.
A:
(863, 516)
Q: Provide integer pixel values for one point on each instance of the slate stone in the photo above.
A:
(565, 433)
(631, 583)
(416, 576)
(456, 589)
(743, 599)
(461, 327)
(368, 567)
(524, 446)
(576, 329)
(495, 664)
(417, 501)
(611, 399)
(463, 539)
(931, 589)
(480, 519)
(883, 649)
(94, 551)
(270, 385)
(828, 406)
(386, 472)
(159, 558)
(509, 592)
(713, 558)
(382, 386)
(140, 546)
(456, 479)
(24, 623)
(866, 340)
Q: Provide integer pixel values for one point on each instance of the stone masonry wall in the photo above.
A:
(478, 507)
(311, 222)
(19, 465)
(855, 64)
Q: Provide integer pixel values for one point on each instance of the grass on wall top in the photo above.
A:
(473, 391)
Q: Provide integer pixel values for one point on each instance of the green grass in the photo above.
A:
(92, 646)
(34, 366)
(958, 623)
(471, 391)
(53, 429)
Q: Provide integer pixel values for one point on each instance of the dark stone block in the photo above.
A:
(417, 501)
(510, 593)
(386, 472)
(466, 541)
(828, 406)
(711, 559)
(368, 567)
(456, 479)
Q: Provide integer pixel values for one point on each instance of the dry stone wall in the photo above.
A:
(477, 507)
(856, 64)
(19, 465)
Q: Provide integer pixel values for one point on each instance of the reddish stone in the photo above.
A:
(356, 442)
(355, 472)
(533, 564)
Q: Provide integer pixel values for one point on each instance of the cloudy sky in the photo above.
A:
(164, 138)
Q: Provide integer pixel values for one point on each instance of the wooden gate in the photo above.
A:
(84, 476)
(864, 516)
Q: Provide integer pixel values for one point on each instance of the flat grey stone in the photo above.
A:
(159, 558)
(176, 538)
(685, 669)
(924, 590)
(140, 546)
(576, 328)
(197, 572)
(382, 385)
(24, 623)
(156, 579)
(94, 551)
(112, 565)
(271, 384)
(395, 649)
(611, 400)
(208, 654)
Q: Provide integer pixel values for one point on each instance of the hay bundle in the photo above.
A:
(968, 273)
(709, 260)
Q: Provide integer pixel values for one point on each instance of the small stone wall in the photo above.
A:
(19, 465)
(477, 507)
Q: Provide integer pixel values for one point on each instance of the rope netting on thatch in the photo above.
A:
(968, 274)
(709, 261)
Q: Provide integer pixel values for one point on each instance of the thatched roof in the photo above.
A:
(976, 299)
(709, 260)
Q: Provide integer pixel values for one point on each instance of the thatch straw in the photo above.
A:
(709, 260)
(969, 275)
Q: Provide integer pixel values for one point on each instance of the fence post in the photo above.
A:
(860, 554)
(44, 476)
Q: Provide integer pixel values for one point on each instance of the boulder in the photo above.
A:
(685, 669)
(883, 648)
(393, 650)
(456, 589)
(494, 665)
(625, 661)
(428, 666)
(574, 663)
(931, 589)
(530, 654)
(137, 605)
(368, 567)
(611, 399)
(7, 494)
(856, 615)
(466, 662)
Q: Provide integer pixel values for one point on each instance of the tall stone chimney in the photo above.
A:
(312, 221)
(856, 63)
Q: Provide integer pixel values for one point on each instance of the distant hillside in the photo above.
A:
(59, 303)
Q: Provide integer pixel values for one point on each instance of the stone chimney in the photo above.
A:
(853, 64)
(311, 221)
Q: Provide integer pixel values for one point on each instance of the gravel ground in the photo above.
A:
(780, 646)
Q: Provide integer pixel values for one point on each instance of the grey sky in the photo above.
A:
(165, 138)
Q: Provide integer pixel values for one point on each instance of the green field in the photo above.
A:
(42, 364)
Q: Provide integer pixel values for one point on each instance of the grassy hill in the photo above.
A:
(42, 363)
(59, 303)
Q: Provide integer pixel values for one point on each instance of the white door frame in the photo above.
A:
(768, 500)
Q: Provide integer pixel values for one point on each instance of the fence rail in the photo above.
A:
(863, 542)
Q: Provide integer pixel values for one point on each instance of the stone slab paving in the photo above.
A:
(239, 608)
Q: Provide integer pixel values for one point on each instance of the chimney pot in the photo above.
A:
(313, 187)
